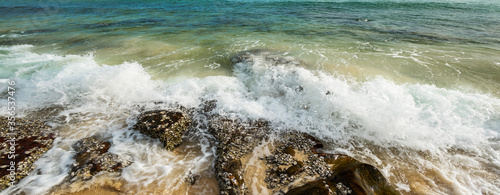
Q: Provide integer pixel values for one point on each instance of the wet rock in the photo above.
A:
(258, 70)
(298, 155)
(20, 147)
(359, 179)
(208, 106)
(192, 178)
(295, 156)
(168, 126)
(92, 157)
(291, 159)
(347, 176)
(235, 138)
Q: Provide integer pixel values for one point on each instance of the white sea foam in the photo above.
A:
(98, 99)
(441, 132)
(411, 117)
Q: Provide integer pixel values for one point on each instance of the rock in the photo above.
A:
(296, 164)
(348, 176)
(167, 125)
(92, 157)
(192, 178)
(257, 70)
(235, 138)
(296, 156)
(293, 158)
(32, 139)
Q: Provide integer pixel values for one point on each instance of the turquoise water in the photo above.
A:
(435, 43)
(421, 79)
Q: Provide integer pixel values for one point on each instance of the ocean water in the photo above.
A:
(414, 86)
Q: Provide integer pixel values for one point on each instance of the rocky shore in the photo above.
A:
(293, 165)
(251, 156)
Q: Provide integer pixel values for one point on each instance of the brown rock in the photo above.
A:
(348, 176)
(167, 125)
(32, 139)
(294, 155)
(92, 157)
(235, 139)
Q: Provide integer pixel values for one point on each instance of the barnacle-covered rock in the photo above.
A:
(297, 156)
(92, 157)
(347, 176)
(295, 165)
(235, 138)
(291, 159)
(22, 143)
(167, 125)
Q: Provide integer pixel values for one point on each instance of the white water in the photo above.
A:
(417, 134)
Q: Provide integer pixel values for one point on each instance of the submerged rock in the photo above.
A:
(167, 125)
(272, 57)
(92, 157)
(259, 70)
(20, 147)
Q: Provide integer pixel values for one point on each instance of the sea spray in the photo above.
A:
(399, 128)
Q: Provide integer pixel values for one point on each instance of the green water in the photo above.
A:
(452, 45)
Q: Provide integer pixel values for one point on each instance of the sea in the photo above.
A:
(411, 87)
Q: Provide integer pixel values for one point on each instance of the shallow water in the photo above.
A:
(414, 87)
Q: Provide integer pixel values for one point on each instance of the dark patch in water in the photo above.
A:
(137, 22)
(40, 31)
(20, 10)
